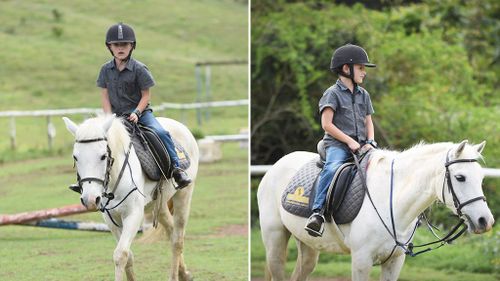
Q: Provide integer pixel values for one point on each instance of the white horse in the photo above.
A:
(419, 179)
(97, 141)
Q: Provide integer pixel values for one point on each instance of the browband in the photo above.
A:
(91, 140)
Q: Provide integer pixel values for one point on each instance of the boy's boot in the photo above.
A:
(181, 178)
(315, 224)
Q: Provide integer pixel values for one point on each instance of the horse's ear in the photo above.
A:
(108, 122)
(480, 147)
(460, 148)
(70, 125)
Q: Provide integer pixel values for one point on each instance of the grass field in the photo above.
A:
(216, 246)
(46, 68)
(52, 52)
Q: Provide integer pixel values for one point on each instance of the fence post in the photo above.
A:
(198, 88)
(13, 132)
(51, 131)
(208, 97)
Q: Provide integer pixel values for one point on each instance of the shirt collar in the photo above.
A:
(344, 87)
(129, 66)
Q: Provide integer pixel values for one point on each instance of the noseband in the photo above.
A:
(109, 163)
(456, 201)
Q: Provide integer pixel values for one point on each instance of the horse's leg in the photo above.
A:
(129, 267)
(392, 268)
(306, 261)
(122, 255)
(130, 262)
(166, 219)
(275, 239)
(361, 264)
(181, 202)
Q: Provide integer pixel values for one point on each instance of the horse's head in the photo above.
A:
(92, 157)
(462, 189)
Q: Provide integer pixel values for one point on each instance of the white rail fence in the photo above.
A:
(49, 113)
(260, 170)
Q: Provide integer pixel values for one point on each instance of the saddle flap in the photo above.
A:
(338, 187)
(151, 151)
(158, 150)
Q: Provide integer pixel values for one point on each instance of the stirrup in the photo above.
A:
(314, 232)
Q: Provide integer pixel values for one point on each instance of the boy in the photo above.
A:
(125, 84)
(346, 111)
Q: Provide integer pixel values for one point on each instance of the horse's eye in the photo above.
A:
(103, 157)
(460, 178)
(74, 158)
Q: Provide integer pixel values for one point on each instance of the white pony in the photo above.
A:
(97, 141)
(421, 175)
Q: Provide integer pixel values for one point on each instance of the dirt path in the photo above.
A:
(310, 279)
(234, 229)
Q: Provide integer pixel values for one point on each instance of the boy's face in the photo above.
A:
(121, 50)
(359, 72)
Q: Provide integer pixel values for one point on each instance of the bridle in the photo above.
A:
(456, 201)
(104, 182)
(109, 163)
(452, 235)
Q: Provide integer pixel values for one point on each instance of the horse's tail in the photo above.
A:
(164, 228)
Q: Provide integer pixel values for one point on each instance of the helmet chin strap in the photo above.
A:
(350, 75)
(127, 58)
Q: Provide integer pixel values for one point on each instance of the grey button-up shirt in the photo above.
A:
(350, 111)
(124, 87)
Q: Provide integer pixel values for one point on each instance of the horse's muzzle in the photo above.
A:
(482, 225)
(91, 202)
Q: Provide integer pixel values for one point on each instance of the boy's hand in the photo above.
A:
(365, 148)
(353, 145)
(133, 117)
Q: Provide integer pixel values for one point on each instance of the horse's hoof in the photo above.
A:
(187, 276)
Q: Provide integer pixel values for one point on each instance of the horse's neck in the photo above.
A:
(119, 144)
(415, 185)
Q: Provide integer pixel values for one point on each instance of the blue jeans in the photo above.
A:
(335, 157)
(148, 119)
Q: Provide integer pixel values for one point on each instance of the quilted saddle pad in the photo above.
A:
(298, 196)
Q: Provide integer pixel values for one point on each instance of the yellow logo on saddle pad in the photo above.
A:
(180, 153)
(298, 197)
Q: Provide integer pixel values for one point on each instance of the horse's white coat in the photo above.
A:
(418, 180)
(130, 213)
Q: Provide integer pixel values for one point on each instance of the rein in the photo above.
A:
(408, 246)
(104, 182)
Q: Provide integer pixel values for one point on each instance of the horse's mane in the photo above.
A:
(423, 155)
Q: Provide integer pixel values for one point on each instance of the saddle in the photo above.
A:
(345, 193)
(152, 153)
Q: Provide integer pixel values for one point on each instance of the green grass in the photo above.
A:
(29, 253)
(470, 258)
(41, 70)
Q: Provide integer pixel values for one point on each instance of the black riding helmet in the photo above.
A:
(120, 32)
(349, 54)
